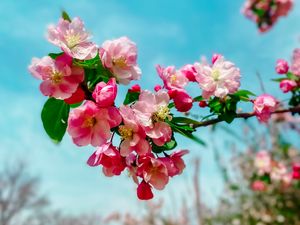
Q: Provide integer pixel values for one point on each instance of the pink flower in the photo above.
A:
(144, 191)
(153, 171)
(77, 97)
(120, 56)
(278, 172)
(60, 78)
(109, 157)
(282, 66)
(174, 162)
(284, 7)
(135, 88)
(151, 111)
(295, 67)
(132, 134)
(89, 124)
(215, 57)
(220, 79)
(190, 72)
(183, 102)
(105, 93)
(259, 185)
(263, 107)
(172, 78)
(157, 88)
(296, 171)
(72, 38)
(287, 85)
(263, 162)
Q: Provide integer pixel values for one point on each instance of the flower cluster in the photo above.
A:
(82, 84)
(269, 170)
(265, 13)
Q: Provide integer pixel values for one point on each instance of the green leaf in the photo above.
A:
(90, 63)
(65, 16)
(278, 79)
(186, 133)
(171, 105)
(184, 120)
(243, 93)
(131, 97)
(166, 147)
(291, 76)
(55, 116)
(198, 98)
(55, 55)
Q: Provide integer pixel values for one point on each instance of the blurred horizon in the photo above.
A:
(166, 33)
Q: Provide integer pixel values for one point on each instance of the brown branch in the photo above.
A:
(244, 116)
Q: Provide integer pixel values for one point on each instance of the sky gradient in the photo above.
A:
(166, 33)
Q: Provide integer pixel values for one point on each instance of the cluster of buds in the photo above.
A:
(82, 85)
(269, 170)
(265, 13)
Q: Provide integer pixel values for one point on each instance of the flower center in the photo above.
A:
(89, 122)
(125, 132)
(173, 78)
(56, 77)
(72, 40)
(215, 74)
(119, 62)
(161, 114)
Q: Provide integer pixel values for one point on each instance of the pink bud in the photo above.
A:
(263, 107)
(157, 88)
(215, 57)
(258, 186)
(202, 104)
(172, 93)
(296, 171)
(287, 85)
(183, 102)
(282, 66)
(144, 191)
(190, 72)
(135, 88)
(105, 94)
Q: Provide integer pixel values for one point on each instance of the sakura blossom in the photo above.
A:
(263, 162)
(295, 67)
(259, 185)
(183, 102)
(89, 124)
(174, 162)
(132, 134)
(264, 105)
(189, 71)
(151, 111)
(109, 157)
(120, 56)
(220, 79)
(59, 78)
(72, 38)
(172, 78)
(105, 93)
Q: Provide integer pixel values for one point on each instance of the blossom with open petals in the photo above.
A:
(220, 79)
(59, 78)
(263, 107)
(120, 56)
(132, 134)
(174, 162)
(151, 111)
(89, 124)
(172, 78)
(72, 38)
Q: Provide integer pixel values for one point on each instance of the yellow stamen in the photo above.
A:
(216, 74)
(119, 62)
(173, 78)
(89, 122)
(125, 132)
(72, 40)
(161, 114)
(56, 77)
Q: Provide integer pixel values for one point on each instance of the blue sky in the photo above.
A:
(167, 32)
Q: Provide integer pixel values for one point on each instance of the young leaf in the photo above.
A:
(131, 97)
(166, 147)
(198, 98)
(55, 116)
(55, 55)
(65, 16)
(184, 120)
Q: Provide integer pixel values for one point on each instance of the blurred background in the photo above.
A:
(166, 33)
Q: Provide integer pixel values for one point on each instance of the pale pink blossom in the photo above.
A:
(278, 172)
(287, 85)
(132, 134)
(151, 111)
(282, 66)
(144, 191)
(59, 78)
(220, 79)
(109, 157)
(295, 67)
(174, 162)
(120, 56)
(172, 78)
(263, 162)
(105, 93)
(190, 72)
(153, 171)
(89, 124)
(263, 107)
(72, 38)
